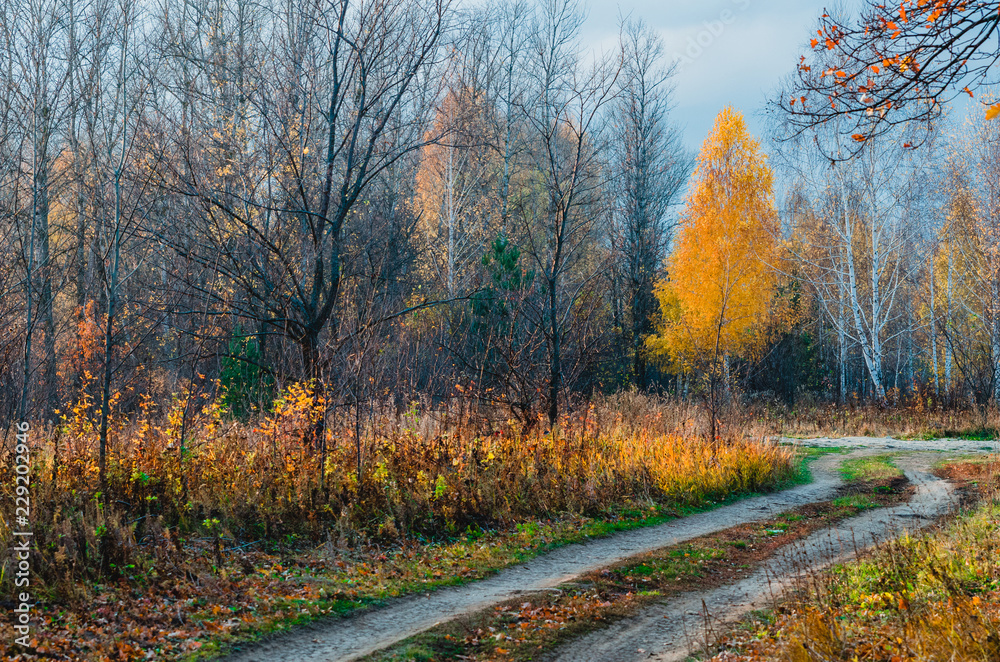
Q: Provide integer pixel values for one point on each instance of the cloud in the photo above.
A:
(730, 52)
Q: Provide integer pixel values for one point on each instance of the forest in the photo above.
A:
(219, 201)
(374, 275)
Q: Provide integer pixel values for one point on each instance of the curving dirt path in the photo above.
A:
(671, 631)
(347, 639)
(888, 444)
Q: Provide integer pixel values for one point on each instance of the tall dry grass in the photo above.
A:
(422, 472)
(911, 417)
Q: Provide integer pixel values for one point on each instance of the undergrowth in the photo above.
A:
(215, 530)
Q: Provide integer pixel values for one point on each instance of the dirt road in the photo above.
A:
(349, 638)
(670, 631)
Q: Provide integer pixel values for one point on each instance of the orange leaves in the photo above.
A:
(993, 112)
(250, 476)
(831, 39)
(296, 412)
(860, 137)
(722, 283)
(935, 15)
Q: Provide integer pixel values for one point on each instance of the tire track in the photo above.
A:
(671, 631)
(349, 638)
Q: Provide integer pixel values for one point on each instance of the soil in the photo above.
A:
(524, 629)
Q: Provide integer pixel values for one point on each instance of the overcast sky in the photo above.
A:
(732, 52)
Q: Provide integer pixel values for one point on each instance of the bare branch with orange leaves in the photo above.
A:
(895, 64)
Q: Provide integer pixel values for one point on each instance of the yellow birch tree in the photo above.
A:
(719, 300)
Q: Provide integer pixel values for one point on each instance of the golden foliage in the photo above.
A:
(720, 297)
(456, 189)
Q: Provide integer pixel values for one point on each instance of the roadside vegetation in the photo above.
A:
(219, 530)
(914, 417)
(308, 304)
(876, 467)
(215, 530)
(933, 596)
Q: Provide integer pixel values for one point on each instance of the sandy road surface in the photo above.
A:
(890, 445)
(346, 639)
(672, 630)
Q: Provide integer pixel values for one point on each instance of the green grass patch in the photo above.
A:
(466, 558)
(966, 434)
(529, 627)
(805, 455)
(875, 467)
(935, 593)
(859, 501)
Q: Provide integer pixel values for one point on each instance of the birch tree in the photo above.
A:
(719, 301)
(860, 256)
(968, 260)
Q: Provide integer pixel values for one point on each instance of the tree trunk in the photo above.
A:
(641, 300)
(555, 368)
(934, 352)
(309, 347)
(871, 346)
(947, 321)
(46, 301)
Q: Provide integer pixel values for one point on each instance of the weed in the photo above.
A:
(859, 501)
(873, 468)
(252, 510)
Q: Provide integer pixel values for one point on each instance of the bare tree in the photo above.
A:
(650, 166)
(120, 174)
(565, 118)
(35, 33)
(969, 257)
(859, 254)
(343, 95)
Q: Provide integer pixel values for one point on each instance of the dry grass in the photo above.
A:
(915, 416)
(915, 419)
(430, 475)
(532, 625)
